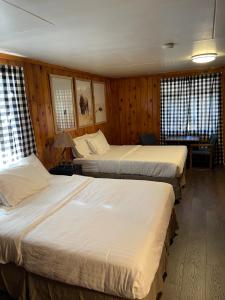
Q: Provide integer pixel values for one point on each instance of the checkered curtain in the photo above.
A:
(16, 133)
(192, 105)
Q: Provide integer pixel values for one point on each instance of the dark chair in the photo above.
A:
(204, 150)
(148, 139)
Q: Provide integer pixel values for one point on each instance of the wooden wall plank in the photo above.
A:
(113, 113)
(128, 112)
(150, 106)
(122, 116)
(133, 112)
(156, 107)
(139, 107)
(143, 105)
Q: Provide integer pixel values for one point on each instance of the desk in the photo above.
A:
(186, 140)
(182, 140)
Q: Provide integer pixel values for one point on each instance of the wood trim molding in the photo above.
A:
(177, 73)
(22, 59)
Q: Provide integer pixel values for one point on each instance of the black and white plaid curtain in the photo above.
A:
(192, 105)
(16, 132)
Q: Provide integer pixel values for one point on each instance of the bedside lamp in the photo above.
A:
(63, 140)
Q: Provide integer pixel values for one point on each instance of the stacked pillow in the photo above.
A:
(81, 148)
(88, 144)
(21, 180)
(98, 143)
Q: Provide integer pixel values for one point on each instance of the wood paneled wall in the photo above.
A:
(39, 99)
(138, 101)
(138, 104)
(133, 104)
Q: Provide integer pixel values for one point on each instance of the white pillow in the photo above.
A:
(20, 181)
(98, 143)
(32, 160)
(81, 147)
(91, 135)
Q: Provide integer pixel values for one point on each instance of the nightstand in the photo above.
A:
(66, 169)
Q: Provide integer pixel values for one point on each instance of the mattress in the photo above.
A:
(100, 234)
(155, 161)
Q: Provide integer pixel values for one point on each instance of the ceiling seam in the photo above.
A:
(28, 12)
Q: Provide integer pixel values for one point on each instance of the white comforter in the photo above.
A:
(157, 161)
(101, 234)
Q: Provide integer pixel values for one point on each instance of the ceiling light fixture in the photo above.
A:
(203, 58)
(207, 57)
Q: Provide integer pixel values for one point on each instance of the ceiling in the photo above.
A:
(113, 37)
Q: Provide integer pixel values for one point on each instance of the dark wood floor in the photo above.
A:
(196, 267)
(4, 296)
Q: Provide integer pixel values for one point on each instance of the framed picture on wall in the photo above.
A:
(84, 102)
(99, 102)
(63, 102)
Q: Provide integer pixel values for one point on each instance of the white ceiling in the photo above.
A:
(114, 37)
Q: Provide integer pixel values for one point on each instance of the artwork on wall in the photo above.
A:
(99, 102)
(63, 102)
(84, 102)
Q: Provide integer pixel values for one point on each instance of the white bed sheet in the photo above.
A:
(16, 222)
(101, 234)
(156, 161)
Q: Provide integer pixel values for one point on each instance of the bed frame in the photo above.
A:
(23, 285)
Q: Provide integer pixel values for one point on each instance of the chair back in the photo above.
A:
(147, 139)
(213, 139)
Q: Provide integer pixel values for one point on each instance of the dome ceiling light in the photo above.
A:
(207, 57)
(203, 58)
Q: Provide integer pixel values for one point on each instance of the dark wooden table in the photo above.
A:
(186, 140)
(182, 140)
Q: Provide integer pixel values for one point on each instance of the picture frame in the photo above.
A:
(99, 94)
(62, 97)
(84, 102)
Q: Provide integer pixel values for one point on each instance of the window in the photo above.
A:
(63, 102)
(192, 105)
(16, 133)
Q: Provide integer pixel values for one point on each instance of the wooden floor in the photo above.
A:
(196, 267)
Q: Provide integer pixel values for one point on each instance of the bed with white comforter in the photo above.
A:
(153, 161)
(101, 234)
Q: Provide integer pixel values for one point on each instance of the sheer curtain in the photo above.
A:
(16, 132)
(192, 105)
